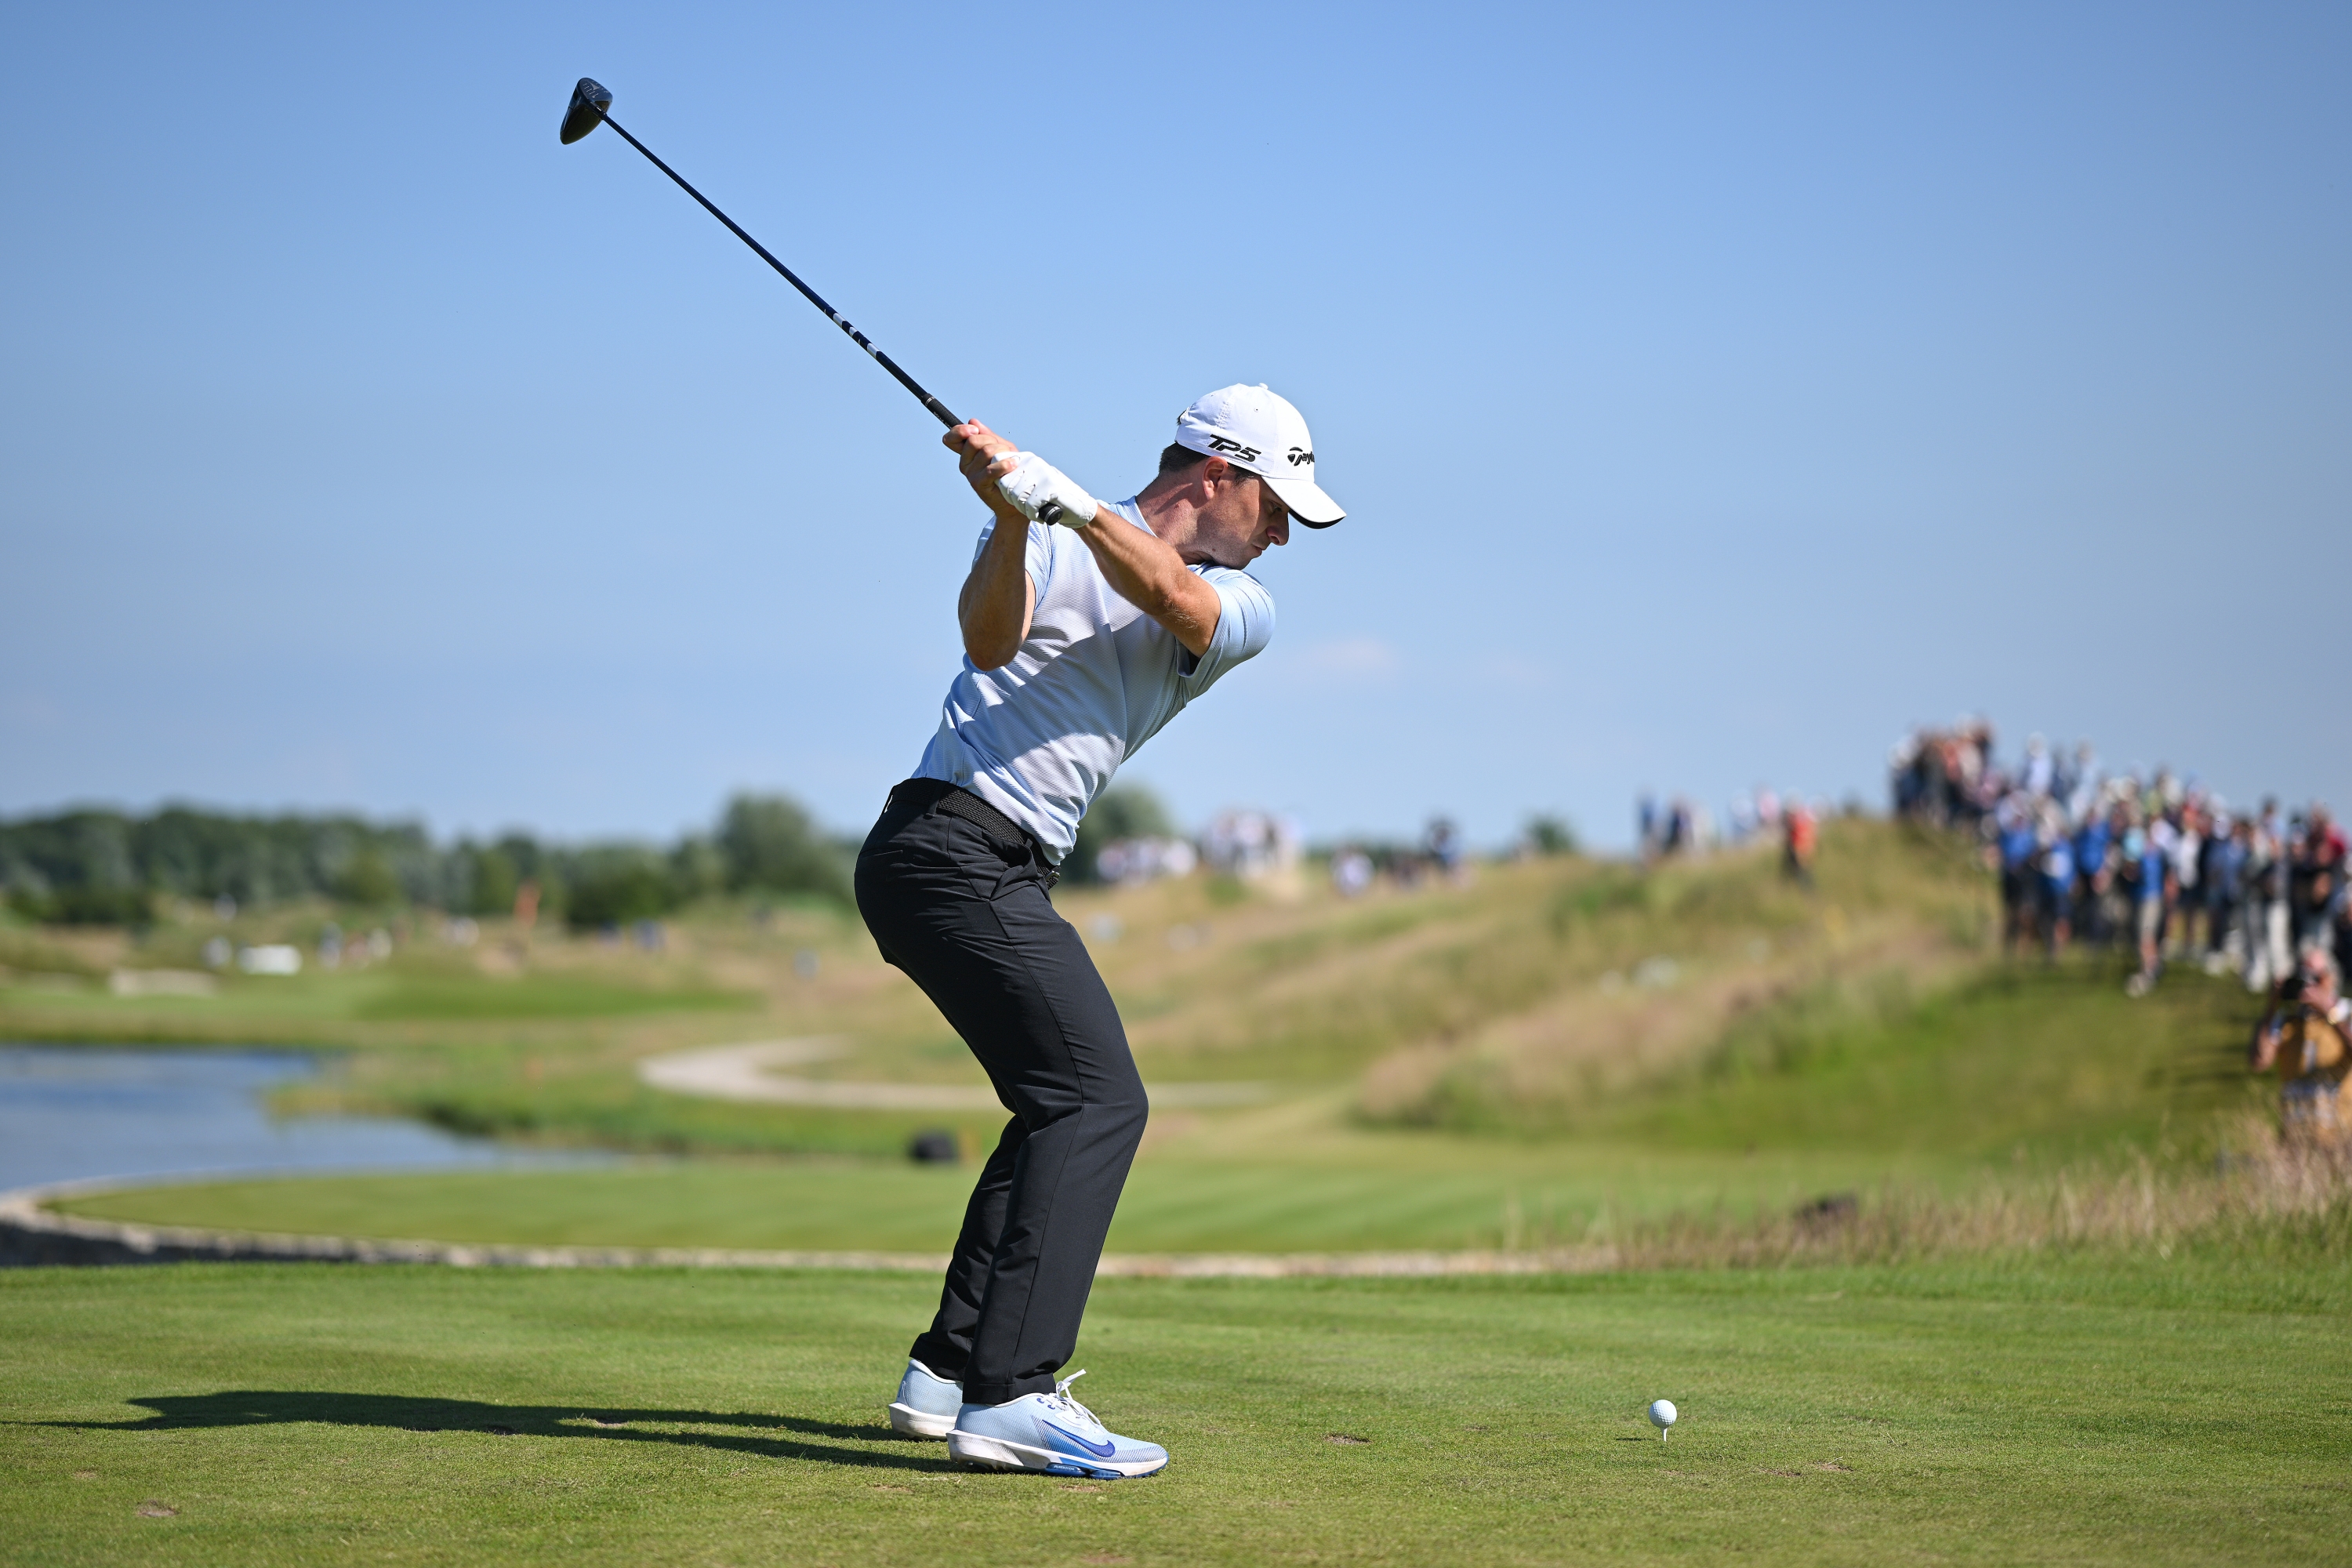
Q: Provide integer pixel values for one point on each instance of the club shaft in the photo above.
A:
(939, 410)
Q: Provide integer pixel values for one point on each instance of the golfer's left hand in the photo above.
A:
(983, 457)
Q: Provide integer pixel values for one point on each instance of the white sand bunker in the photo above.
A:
(748, 1072)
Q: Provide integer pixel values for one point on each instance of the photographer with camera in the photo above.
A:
(2303, 1039)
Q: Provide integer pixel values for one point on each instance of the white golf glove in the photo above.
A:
(1032, 483)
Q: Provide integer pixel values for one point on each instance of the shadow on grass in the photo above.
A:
(766, 1436)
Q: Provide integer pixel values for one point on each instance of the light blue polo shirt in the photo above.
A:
(1039, 738)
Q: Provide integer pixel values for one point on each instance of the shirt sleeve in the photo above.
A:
(1244, 626)
(1037, 556)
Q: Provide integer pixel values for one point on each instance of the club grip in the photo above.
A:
(1050, 512)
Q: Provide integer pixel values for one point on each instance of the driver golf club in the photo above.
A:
(591, 100)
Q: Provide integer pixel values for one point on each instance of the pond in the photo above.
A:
(71, 1112)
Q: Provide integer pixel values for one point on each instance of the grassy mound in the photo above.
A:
(1519, 1000)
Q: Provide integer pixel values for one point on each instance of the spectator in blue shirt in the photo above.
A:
(2092, 877)
(2057, 886)
(2018, 843)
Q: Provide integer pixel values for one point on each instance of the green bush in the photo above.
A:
(86, 906)
(1551, 836)
(616, 884)
(107, 868)
(493, 882)
(767, 844)
(367, 879)
(697, 870)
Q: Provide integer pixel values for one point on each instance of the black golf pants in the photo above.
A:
(964, 910)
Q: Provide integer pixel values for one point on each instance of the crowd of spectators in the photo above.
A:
(1680, 827)
(2154, 864)
(1441, 854)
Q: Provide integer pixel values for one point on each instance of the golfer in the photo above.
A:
(1080, 641)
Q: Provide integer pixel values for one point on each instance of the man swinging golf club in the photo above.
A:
(1080, 642)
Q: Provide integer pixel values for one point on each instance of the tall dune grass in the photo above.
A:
(2264, 1196)
(1642, 978)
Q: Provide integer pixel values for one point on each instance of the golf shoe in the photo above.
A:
(1049, 1432)
(927, 1404)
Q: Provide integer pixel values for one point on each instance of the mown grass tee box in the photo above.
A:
(2078, 1412)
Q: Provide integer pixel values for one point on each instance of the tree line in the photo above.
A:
(111, 868)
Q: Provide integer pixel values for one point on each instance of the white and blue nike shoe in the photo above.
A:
(927, 1404)
(1049, 1432)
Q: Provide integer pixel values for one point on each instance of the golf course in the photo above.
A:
(1943, 1257)
(836, 786)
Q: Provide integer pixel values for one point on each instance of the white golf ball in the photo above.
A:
(1663, 1413)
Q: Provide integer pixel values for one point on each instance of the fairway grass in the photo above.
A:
(1431, 1193)
(2076, 1412)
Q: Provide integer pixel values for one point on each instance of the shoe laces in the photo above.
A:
(1061, 1396)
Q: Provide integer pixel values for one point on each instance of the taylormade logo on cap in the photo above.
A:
(1258, 430)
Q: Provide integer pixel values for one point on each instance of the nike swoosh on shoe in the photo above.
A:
(1100, 1451)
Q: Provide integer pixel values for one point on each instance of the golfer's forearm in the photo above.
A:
(998, 599)
(1154, 579)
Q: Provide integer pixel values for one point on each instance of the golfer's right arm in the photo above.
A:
(998, 597)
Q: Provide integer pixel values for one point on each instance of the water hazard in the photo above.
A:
(71, 1112)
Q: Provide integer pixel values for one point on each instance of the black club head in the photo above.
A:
(588, 101)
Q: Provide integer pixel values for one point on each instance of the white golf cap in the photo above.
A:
(1259, 431)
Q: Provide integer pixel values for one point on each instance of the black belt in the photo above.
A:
(957, 801)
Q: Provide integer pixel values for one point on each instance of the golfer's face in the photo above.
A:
(1243, 520)
(1269, 526)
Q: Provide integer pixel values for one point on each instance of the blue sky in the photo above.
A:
(1716, 390)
